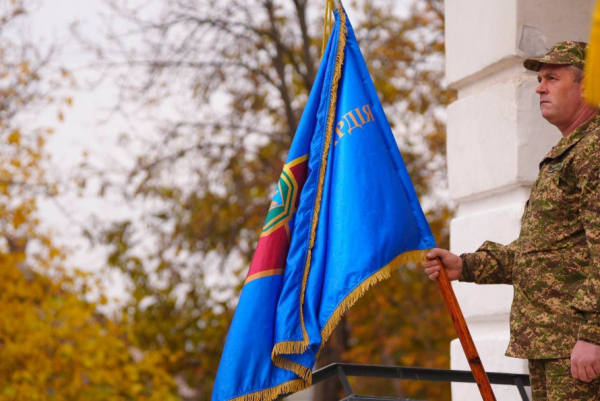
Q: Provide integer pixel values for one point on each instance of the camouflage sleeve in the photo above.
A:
(490, 264)
(587, 298)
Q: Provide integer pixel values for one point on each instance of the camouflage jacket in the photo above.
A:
(554, 265)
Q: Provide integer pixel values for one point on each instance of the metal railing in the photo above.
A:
(343, 370)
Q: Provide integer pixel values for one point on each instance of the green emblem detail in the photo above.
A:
(280, 214)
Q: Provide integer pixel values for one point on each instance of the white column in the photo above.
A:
(496, 138)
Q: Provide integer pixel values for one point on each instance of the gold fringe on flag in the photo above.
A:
(591, 83)
(290, 347)
(274, 392)
(301, 370)
(359, 291)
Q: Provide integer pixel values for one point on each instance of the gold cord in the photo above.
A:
(327, 24)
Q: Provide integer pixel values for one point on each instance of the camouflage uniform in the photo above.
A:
(551, 379)
(554, 265)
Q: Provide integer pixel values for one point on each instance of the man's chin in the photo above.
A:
(547, 114)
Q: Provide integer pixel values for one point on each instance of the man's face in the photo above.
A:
(560, 95)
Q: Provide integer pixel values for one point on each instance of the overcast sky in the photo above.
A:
(82, 129)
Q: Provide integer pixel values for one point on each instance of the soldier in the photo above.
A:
(554, 265)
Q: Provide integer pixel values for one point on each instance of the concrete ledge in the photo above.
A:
(478, 34)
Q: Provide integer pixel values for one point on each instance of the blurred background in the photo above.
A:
(141, 144)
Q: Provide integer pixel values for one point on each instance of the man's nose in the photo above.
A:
(541, 88)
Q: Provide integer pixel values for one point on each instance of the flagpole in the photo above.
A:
(460, 325)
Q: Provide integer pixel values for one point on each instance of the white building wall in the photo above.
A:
(496, 138)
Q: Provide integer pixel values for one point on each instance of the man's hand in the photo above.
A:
(453, 263)
(585, 361)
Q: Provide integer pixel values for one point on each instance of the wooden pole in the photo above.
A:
(460, 325)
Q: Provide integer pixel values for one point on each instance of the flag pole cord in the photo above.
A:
(460, 325)
(328, 22)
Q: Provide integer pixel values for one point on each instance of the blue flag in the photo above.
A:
(344, 216)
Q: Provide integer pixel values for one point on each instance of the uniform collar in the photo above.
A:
(575, 136)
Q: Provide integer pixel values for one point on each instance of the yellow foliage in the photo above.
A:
(60, 350)
(54, 345)
(14, 138)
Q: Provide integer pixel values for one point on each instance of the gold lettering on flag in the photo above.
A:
(352, 120)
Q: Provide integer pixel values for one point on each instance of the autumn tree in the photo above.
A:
(53, 343)
(224, 83)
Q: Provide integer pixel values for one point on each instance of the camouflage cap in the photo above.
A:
(562, 53)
